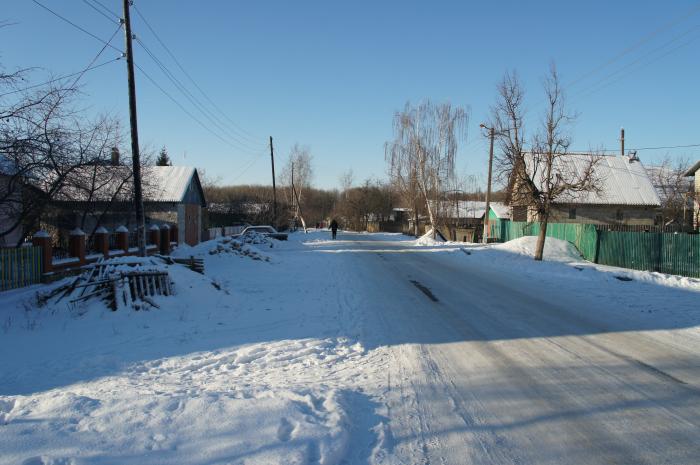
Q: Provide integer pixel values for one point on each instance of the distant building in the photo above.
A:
(625, 195)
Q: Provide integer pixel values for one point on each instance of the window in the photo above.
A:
(619, 215)
(572, 213)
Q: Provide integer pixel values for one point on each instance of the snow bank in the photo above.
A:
(428, 240)
(554, 249)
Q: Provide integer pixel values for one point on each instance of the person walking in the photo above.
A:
(334, 228)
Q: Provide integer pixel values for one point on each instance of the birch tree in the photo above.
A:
(421, 158)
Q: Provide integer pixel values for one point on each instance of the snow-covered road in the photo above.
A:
(368, 349)
(494, 367)
(488, 367)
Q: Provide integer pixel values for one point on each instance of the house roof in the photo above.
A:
(167, 184)
(473, 209)
(501, 210)
(170, 183)
(622, 180)
(694, 169)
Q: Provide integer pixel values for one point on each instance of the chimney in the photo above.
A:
(622, 141)
(115, 156)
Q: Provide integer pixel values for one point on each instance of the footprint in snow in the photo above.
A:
(285, 429)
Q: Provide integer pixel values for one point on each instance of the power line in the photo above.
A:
(99, 11)
(76, 26)
(594, 88)
(687, 14)
(104, 47)
(243, 132)
(194, 101)
(197, 120)
(638, 149)
(108, 10)
(60, 78)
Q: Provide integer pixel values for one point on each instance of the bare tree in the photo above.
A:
(297, 175)
(548, 173)
(674, 189)
(507, 123)
(421, 158)
(44, 144)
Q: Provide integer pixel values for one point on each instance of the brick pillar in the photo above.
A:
(154, 236)
(43, 240)
(76, 244)
(173, 234)
(102, 241)
(165, 240)
(122, 238)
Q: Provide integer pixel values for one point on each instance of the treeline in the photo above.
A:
(353, 207)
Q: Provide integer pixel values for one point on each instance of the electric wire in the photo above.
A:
(109, 11)
(99, 11)
(687, 14)
(104, 47)
(194, 101)
(630, 67)
(243, 132)
(63, 18)
(185, 110)
(60, 78)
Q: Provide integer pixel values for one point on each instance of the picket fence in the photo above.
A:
(19, 267)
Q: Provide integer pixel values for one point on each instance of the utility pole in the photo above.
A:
(622, 141)
(135, 157)
(274, 188)
(293, 196)
(487, 209)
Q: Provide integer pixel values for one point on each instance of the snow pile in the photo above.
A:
(556, 250)
(240, 247)
(428, 240)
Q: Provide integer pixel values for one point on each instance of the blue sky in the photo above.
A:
(330, 75)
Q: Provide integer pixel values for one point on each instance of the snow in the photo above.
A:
(428, 240)
(326, 351)
(554, 249)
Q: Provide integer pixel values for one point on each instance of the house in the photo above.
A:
(172, 195)
(625, 194)
(695, 171)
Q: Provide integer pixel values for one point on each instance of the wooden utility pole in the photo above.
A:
(293, 196)
(622, 141)
(135, 157)
(487, 208)
(274, 188)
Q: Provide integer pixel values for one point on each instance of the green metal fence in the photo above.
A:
(672, 253)
(19, 267)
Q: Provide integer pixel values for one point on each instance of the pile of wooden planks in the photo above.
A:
(119, 284)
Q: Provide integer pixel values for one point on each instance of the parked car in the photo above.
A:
(267, 231)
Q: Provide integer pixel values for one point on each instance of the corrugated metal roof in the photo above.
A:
(622, 180)
(169, 182)
(472, 209)
(160, 184)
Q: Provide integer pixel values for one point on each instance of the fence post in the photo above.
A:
(43, 240)
(76, 244)
(101, 236)
(165, 239)
(154, 236)
(122, 238)
(174, 234)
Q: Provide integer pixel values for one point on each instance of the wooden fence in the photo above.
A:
(665, 252)
(19, 267)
